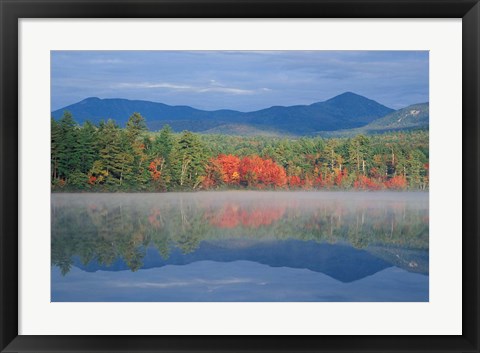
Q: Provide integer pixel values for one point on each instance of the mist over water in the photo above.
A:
(240, 246)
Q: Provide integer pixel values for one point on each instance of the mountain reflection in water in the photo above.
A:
(240, 246)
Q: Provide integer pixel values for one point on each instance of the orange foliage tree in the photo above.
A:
(229, 167)
(365, 183)
(155, 172)
(398, 182)
(248, 171)
(294, 181)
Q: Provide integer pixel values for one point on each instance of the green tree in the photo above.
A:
(86, 147)
(189, 159)
(66, 145)
(110, 159)
(358, 151)
(163, 144)
(135, 127)
(135, 146)
(416, 171)
(56, 139)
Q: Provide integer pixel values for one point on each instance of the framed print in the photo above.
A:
(231, 176)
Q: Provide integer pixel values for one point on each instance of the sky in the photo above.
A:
(239, 80)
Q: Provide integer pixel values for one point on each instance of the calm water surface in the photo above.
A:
(240, 246)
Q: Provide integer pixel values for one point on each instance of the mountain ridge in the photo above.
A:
(345, 111)
(412, 117)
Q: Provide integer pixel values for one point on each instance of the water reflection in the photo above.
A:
(346, 236)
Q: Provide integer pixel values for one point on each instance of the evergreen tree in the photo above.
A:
(110, 149)
(163, 143)
(135, 127)
(357, 150)
(56, 138)
(65, 142)
(87, 151)
(134, 145)
(189, 159)
(161, 151)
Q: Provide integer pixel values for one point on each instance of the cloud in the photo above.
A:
(244, 80)
(214, 87)
(192, 282)
(105, 61)
(143, 85)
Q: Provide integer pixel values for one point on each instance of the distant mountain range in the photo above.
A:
(344, 112)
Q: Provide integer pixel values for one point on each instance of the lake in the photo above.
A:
(240, 246)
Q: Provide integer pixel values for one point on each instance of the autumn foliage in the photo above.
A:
(249, 171)
(229, 167)
(153, 167)
(257, 173)
(366, 183)
(92, 179)
(294, 181)
(397, 182)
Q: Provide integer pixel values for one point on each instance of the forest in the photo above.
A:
(108, 158)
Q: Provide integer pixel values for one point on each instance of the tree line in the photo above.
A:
(105, 157)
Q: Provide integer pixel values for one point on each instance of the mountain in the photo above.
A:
(346, 111)
(96, 109)
(413, 117)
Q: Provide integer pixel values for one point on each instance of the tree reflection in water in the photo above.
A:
(107, 227)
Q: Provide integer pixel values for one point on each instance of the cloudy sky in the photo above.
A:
(240, 80)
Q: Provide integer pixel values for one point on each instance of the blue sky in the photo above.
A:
(240, 80)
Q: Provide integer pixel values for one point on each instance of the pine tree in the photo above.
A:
(134, 145)
(87, 151)
(135, 127)
(163, 144)
(67, 146)
(162, 149)
(189, 159)
(357, 150)
(56, 138)
(109, 151)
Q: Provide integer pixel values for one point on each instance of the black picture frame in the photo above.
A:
(13, 10)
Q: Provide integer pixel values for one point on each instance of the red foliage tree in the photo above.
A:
(318, 182)
(294, 181)
(257, 172)
(273, 174)
(153, 169)
(308, 182)
(92, 179)
(229, 166)
(398, 182)
(365, 183)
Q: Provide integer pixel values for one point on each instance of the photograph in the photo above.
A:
(239, 176)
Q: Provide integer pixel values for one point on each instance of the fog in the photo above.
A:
(293, 198)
